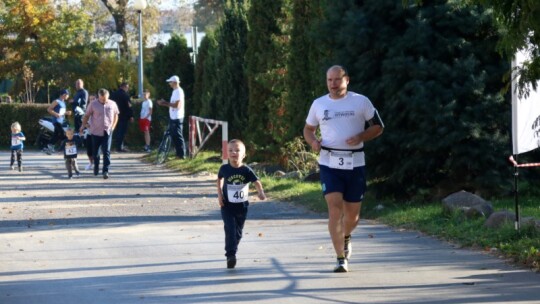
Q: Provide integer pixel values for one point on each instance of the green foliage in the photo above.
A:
(52, 41)
(433, 74)
(27, 115)
(205, 78)
(519, 23)
(173, 59)
(266, 59)
(305, 76)
(225, 96)
(208, 13)
(298, 158)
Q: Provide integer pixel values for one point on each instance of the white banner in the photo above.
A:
(525, 114)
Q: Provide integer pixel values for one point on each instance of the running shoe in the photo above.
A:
(89, 166)
(231, 262)
(348, 247)
(342, 265)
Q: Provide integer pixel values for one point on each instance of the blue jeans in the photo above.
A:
(103, 142)
(120, 133)
(234, 217)
(176, 129)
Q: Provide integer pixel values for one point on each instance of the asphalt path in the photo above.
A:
(152, 235)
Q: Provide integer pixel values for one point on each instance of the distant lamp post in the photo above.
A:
(139, 6)
(117, 38)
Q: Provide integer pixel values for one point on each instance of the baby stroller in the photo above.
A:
(46, 132)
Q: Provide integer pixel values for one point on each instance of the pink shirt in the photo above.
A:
(102, 116)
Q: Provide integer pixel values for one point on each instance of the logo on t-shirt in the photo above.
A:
(326, 117)
(339, 114)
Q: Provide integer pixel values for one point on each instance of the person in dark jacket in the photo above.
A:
(78, 103)
(121, 97)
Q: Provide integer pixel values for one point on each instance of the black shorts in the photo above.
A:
(351, 183)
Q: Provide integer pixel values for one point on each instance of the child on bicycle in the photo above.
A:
(17, 138)
(233, 190)
(145, 119)
(69, 146)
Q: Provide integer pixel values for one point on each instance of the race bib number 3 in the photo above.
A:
(341, 160)
(237, 193)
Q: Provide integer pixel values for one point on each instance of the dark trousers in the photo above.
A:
(103, 142)
(176, 127)
(18, 154)
(71, 165)
(234, 217)
(58, 133)
(120, 132)
(77, 122)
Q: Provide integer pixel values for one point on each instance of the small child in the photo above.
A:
(145, 119)
(17, 138)
(233, 187)
(69, 146)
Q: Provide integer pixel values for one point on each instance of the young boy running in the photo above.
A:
(233, 190)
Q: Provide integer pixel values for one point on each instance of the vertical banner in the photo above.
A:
(525, 113)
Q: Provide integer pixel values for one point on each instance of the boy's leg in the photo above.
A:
(13, 152)
(240, 216)
(19, 158)
(68, 167)
(229, 226)
(75, 166)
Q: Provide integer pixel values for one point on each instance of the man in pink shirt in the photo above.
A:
(104, 114)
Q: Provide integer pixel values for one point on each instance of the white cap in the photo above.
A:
(174, 79)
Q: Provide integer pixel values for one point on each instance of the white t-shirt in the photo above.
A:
(177, 113)
(145, 109)
(340, 119)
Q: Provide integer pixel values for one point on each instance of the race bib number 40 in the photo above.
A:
(341, 160)
(237, 193)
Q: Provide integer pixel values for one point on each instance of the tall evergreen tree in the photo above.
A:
(433, 73)
(231, 92)
(305, 78)
(173, 59)
(266, 71)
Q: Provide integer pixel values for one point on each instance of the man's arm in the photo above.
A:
(51, 111)
(311, 138)
(115, 121)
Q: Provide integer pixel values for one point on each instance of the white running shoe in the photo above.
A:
(89, 166)
(342, 265)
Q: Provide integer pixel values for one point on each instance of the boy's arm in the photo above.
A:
(260, 190)
(220, 191)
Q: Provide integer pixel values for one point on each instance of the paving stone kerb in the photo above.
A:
(151, 235)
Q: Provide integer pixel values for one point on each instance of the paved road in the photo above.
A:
(150, 235)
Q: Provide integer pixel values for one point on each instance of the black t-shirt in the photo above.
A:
(236, 182)
(70, 147)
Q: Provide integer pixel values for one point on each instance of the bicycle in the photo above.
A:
(164, 147)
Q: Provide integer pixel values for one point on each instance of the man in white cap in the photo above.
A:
(176, 115)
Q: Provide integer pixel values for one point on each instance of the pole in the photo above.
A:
(516, 196)
(140, 57)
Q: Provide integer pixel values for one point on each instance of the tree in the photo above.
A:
(433, 73)
(205, 78)
(36, 34)
(208, 13)
(305, 75)
(519, 23)
(173, 59)
(266, 69)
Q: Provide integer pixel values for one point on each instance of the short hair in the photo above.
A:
(339, 68)
(103, 92)
(17, 126)
(124, 84)
(70, 129)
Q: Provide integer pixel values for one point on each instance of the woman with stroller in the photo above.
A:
(58, 110)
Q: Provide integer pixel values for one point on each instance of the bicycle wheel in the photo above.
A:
(163, 150)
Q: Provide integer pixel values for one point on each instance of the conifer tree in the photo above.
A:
(266, 70)
(434, 75)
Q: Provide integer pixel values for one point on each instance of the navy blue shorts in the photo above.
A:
(352, 183)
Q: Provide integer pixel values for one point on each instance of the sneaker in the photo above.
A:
(78, 174)
(147, 149)
(231, 262)
(348, 247)
(20, 169)
(342, 265)
(89, 166)
(12, 168)
(70, 177)
(105, 175)
(50, 148)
